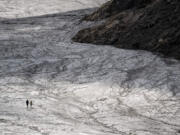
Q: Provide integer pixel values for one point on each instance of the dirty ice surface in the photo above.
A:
(80, 89)
(26, 8)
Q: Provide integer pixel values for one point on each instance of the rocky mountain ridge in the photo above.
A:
(151, 25)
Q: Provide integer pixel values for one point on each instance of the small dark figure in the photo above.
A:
(27, 103)
(31, 103)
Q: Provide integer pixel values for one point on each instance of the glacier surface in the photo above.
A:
(81, 89)
(27, 8)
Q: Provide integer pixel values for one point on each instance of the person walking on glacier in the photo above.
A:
(27, 103)
(31, 103)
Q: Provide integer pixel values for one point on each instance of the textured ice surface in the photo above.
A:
(80, 89)
(25, 8)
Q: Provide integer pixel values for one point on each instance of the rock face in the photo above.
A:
(113, 7)
(151, 25)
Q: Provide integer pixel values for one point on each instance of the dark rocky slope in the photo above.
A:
(152, 25)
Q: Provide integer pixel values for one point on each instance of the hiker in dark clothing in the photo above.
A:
(27, 103)
(31, 103)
